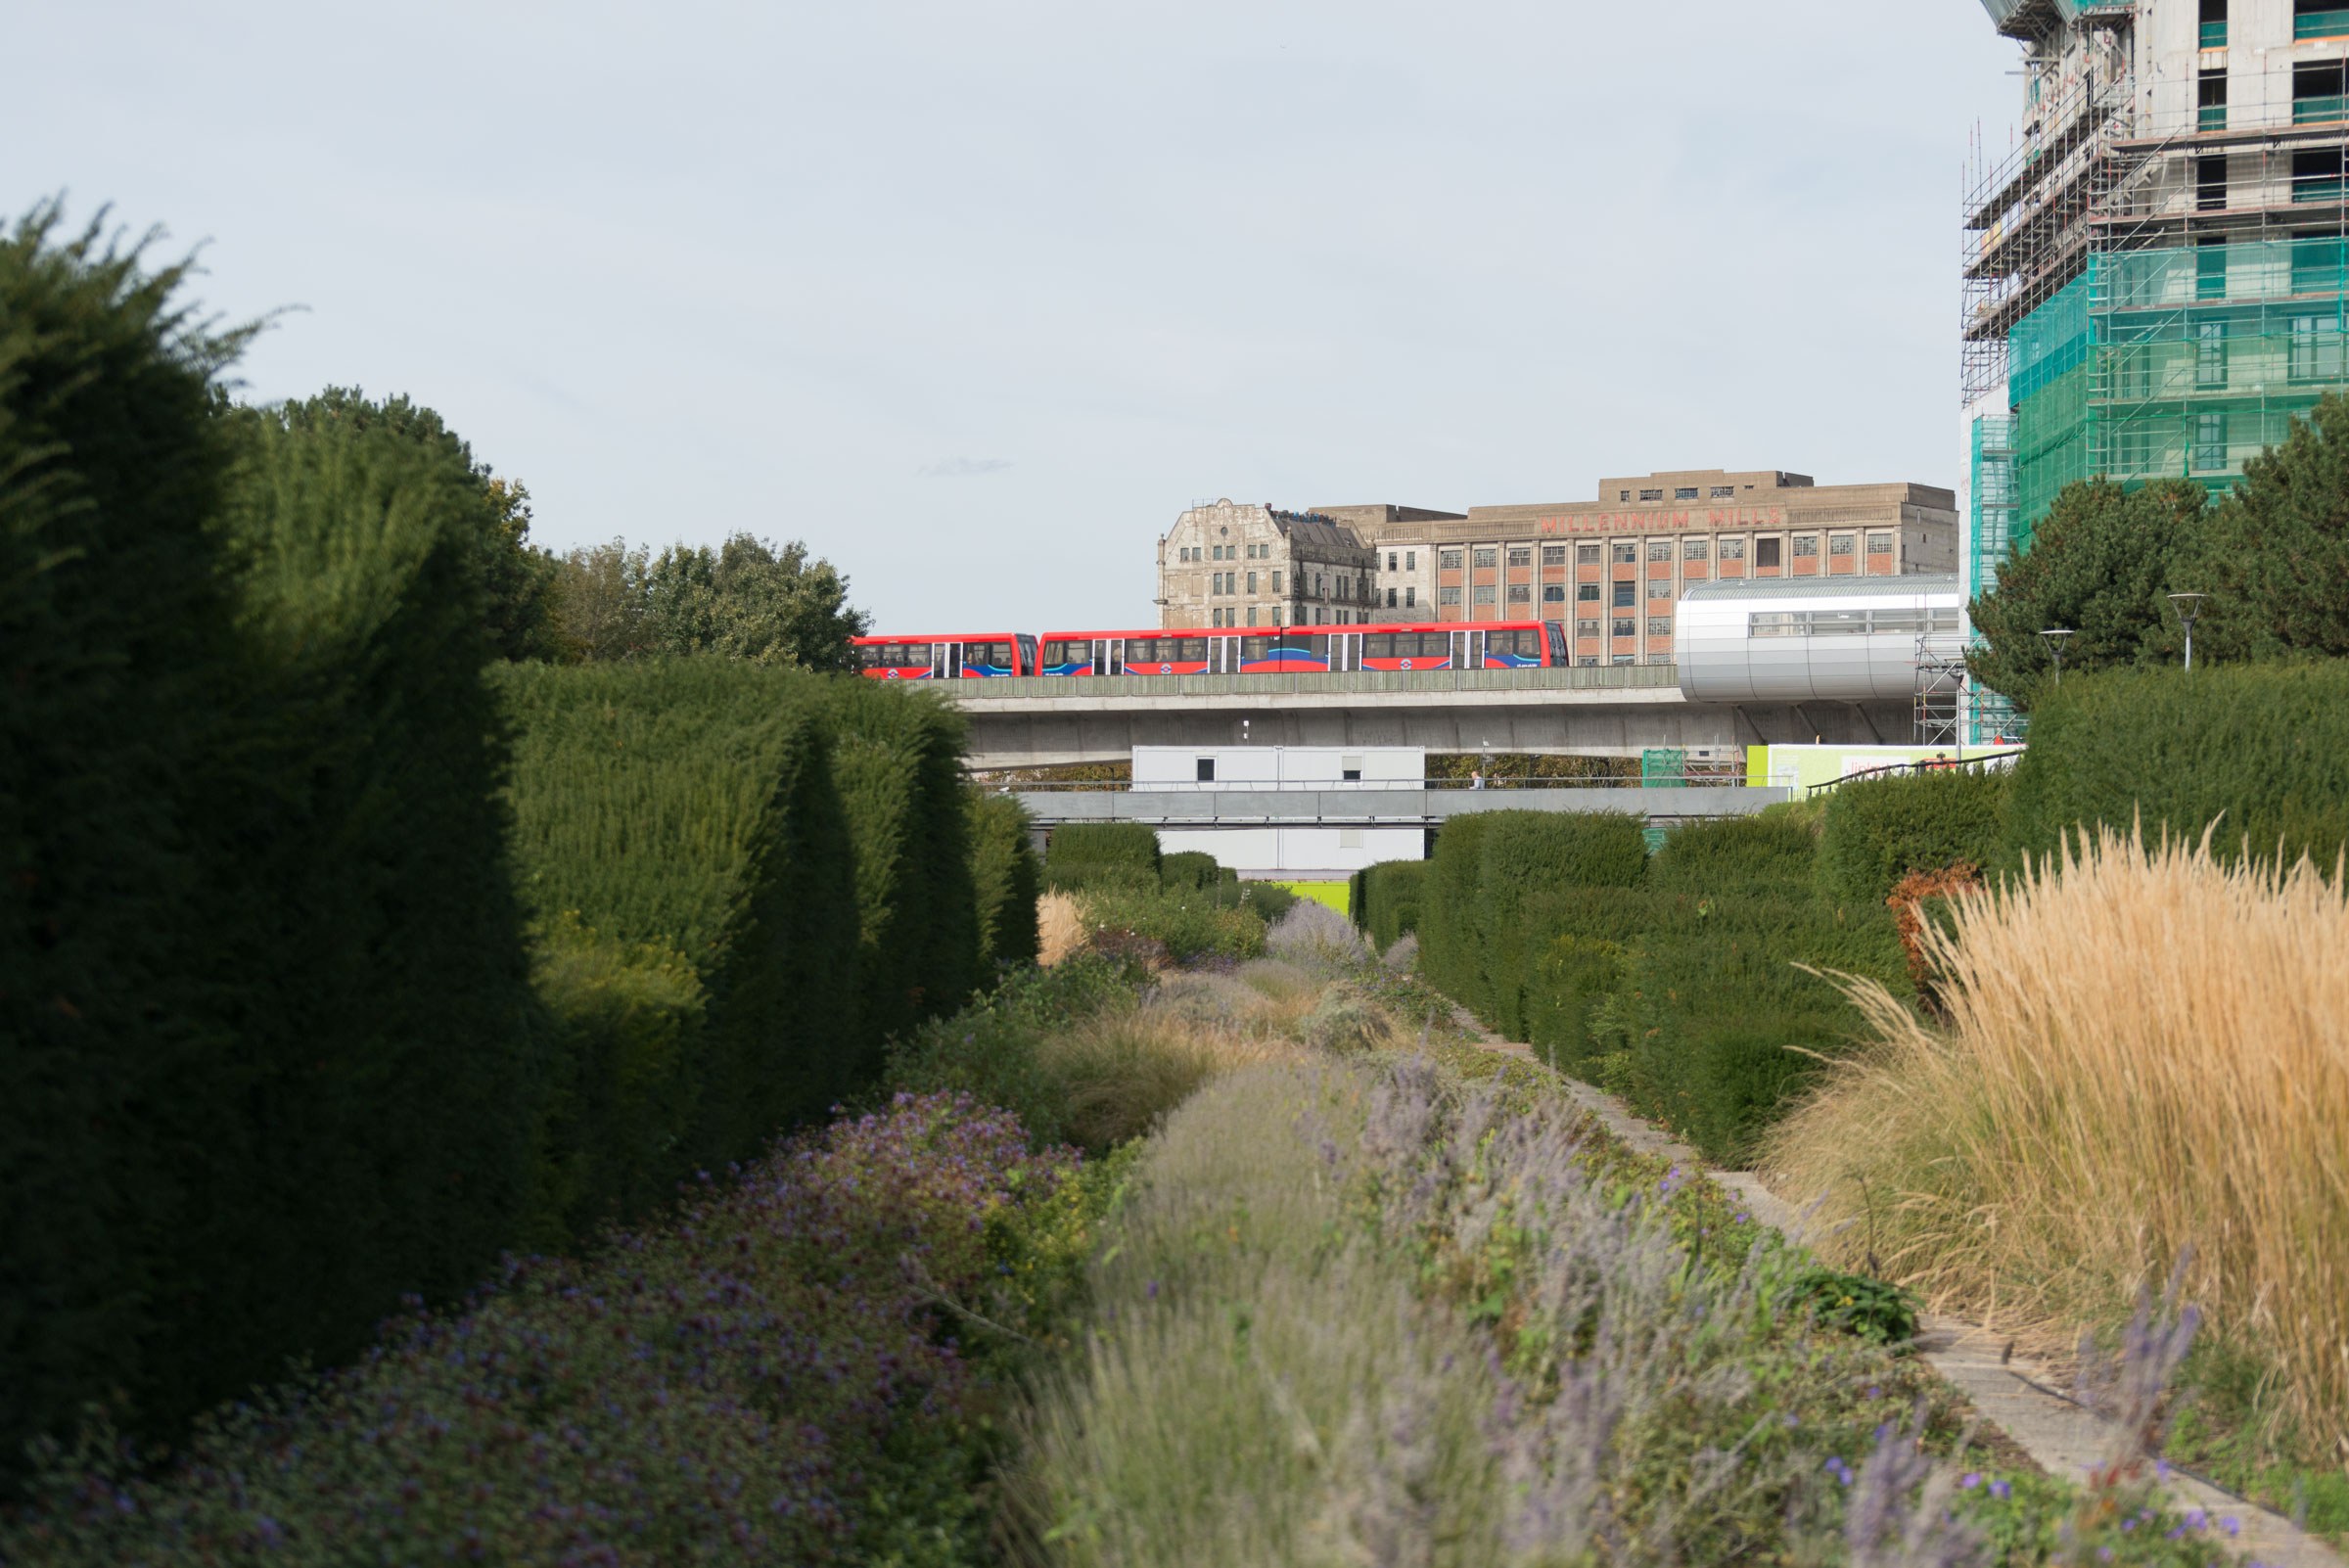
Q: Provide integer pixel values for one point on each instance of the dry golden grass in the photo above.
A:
(1060, 930)
(1120, 1071)
(2148, 1055)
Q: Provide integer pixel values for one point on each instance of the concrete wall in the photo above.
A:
(1236, 809)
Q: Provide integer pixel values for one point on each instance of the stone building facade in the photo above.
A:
(1232, 564)
(1609, 570)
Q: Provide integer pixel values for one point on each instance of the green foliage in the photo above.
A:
(1387, 898)
(686, 813)
(1869, 1309)
(1735, 855)
(1880, 830)
(748, 599)
(1525, 857)
(1191, 870)
(897, 755)
(1189, 925)
(991, 1050)
(1572, 978)
(115, 616)
(1007, 876)
(2100, 565)
(2261, 750)
(489, 517)
(2276, 555)
(1268, 900)
(1450, 930)
(1103, 855)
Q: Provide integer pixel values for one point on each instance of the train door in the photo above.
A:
(1468, 650)
(946, 660)
(1109, 656)
(1024, 644)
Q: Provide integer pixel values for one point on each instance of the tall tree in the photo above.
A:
(598, 603)
(750, 600)
(2276, 559)
(2099, 566)
(516, 581)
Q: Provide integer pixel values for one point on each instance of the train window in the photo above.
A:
(1190, 650)
(1378, 645)
(1057, 652)
(999, 654)
(1838, 623)
(1141, 650)
(1253, 648)
(1883, 620)
(1773, 624)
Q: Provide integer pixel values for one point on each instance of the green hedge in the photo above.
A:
(1191, 869)
(2262, 749)
(1736, 854)
(1386, 899)
(1006, 877)
(1477, 940)
(682, 840)
(1876, 831)
(897, 755)
(115, 643)
(1103, 855)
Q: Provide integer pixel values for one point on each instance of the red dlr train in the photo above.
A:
(1220, 649)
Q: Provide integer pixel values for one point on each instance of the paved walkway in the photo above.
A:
(2012, 1394)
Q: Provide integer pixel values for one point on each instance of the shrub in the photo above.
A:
(1083, 856)
(1385, 899)
(1269, 901)
(1572, 977)
(1315, 935)
(1526, 855)
(1189, 926)
(990, 1049)
(116, 628)
(684, 808)
(643, 1410)
(1742, 855)
(1190, 870)
(897, 755)
(2263, 751)
(1450, 930)
(1007, 878)
(1880, 830)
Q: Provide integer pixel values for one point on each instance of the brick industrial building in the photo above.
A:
(1610, 569)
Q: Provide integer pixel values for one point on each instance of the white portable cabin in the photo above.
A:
(1272, 851)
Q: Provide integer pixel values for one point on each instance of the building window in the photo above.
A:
(1684, 493)
(1692, 550)
(2210, 442)
(2316, 176)
(1840, 544)
(1449, 560)
(2214, 24)
(2210, 100)
(2210, 184)
(1659, 588)
(1390, 598)
(1486, 555)
(2210, 268)
(2316, 349)
(1447, 595)
(1252, 615)
(1484, 593)
(1732, 549)
(1554, 593)
(1250, 583)
(2318, 19)
(1520, 594)
(1586, 593)
(1806, 545)
(1411, 598)
(2317, 91)
(1626, 595)
(1626, 626)
(1277, 580)
(1586, 554)
(1659, 550)
(1724, 492)
(1765, 552)
(1320, 585)
(1390, 560)
(1553, 555)
(1320, 615)
(1624, 659)
(1651, 495)
(2210, 354)
(1521, 555)
(1879, 544)
(1658, 626)
(1410, 560)
(1586, 628)
(1627, 552)
(1623, 495)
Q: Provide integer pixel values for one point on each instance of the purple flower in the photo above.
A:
(1970, 1480)
(2001, 1490)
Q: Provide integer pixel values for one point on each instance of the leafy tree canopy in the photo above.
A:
(747, 599)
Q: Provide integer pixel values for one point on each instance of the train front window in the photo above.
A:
(1061, 652)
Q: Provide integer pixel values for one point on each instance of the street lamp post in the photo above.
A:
(2055, 636)
(2190, 604)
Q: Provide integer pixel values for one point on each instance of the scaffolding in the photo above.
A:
(2157, 279)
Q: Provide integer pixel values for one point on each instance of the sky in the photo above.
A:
(976, 297)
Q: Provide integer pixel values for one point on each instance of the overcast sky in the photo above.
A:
(976, 297)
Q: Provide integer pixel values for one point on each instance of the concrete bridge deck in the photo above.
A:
(1377, 805)
(1594, 711)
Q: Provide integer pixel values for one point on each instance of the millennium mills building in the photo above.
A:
(2153, 274)
(1610, 569)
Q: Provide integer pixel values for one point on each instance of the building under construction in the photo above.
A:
(2154, 274)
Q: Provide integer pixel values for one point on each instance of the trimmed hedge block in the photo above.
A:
(1876, 831)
